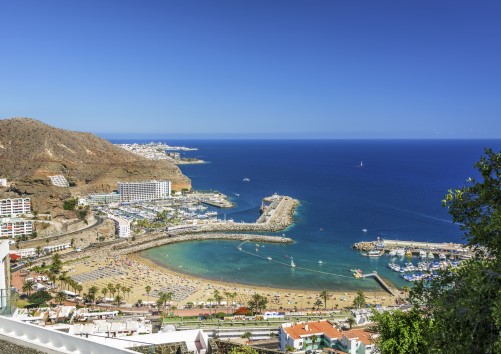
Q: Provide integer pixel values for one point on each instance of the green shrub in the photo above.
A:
(70, 204)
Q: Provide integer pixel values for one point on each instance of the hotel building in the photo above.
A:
(143, 191)
(12, 227)
(15, 207)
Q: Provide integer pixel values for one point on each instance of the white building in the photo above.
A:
(59, 181)
(300, 336)
(50, 340)
(109, 198)
(122, 226)
(3, 182)
(143, 191)
(25, 252)
(13, 227)
(4, 275)
(195, 340)
(14, 207)
(55, 248)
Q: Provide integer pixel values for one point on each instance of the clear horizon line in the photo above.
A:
(268, 137)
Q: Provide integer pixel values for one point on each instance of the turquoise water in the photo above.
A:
(396, 195)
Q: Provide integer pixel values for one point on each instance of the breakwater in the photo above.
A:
(413, 246)
(275, 217)
(170, 239)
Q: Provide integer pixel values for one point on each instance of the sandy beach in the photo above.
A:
(137, 272)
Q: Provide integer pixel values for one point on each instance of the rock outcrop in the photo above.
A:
(30, 151)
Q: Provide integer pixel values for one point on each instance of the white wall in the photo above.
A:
(4, 253)
(51, 341)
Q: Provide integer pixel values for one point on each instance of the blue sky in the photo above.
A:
(271, 68)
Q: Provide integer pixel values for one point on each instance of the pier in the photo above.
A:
(380, 281)
(218, 200)
(449, 249)
(276, 216)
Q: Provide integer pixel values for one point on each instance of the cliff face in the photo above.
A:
(30, 151)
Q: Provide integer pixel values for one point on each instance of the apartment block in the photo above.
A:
(122, 226)
(15, 207)
(59, 181)
(13, 227)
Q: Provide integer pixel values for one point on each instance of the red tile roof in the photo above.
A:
(317, 327)
(360, 334)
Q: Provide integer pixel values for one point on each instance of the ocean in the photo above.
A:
(396, 194)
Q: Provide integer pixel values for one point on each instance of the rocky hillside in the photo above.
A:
(30, 151)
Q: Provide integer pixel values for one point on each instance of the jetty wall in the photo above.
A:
(126, 249)
(276, 217)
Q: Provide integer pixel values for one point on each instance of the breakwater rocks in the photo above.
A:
(169, 239)
(364, 246)
(275, 217)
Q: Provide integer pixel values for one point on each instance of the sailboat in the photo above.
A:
(361, 164)
(292, 263)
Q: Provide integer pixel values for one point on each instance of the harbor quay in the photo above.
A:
(414, 247)
(276, 216)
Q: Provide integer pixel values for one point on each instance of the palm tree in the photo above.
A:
(359, 300)
(60, 297)
(128, 291)
(28, 286)
(164, 297)
(217, 297)
(247, 335)
(325, 295)
(352, 321)
(148, 289)
(104, 291)
(118, 287)
(258, 302)
(289, 348)
(210, 300)
(62, 279)
(230, 296)
(92, 293)
(111, 289)
(38, 251)
(317, 303)
(57, 264)
(118, 300)
(79, 288)
(313, 341)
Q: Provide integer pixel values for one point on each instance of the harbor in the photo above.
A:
(414, 248)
